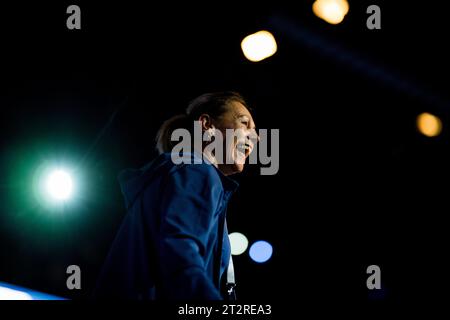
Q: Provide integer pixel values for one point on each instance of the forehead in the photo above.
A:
(239, 110)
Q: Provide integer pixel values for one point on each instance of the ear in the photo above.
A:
(205, 121)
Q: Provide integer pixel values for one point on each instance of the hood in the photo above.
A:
(133, 181)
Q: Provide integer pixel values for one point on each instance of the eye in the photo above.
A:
(245, 122)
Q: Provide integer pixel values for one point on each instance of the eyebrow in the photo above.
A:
(248, 118)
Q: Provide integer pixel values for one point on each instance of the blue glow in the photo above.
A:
(13, 292)
(261, 251)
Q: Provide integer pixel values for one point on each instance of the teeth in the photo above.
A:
(243, 147)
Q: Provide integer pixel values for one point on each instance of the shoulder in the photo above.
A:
(200, 172)
(193, 171)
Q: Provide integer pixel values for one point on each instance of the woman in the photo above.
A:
(173, 243)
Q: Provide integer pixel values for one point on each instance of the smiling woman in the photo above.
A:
(173, 243)
(214, 115)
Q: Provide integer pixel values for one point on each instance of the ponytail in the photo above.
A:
(163, 137)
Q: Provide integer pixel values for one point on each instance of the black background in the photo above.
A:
(357, 185)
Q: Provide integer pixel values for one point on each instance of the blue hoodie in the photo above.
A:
(173, 243)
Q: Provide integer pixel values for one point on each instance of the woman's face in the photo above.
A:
(237, 146)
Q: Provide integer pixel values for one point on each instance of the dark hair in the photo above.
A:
(214, 104)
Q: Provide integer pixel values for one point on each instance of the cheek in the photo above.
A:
(230, 143)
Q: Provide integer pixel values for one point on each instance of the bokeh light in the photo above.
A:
(261, 251)
(429, 125)
(55, 185)
(59, 185)
(239, 243)
(332, 11)
(259, 46)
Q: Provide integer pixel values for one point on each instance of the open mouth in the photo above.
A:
(244, 148)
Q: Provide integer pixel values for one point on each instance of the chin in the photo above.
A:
(232, 169)
(237, 168)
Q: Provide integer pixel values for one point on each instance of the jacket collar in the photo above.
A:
(229, 185)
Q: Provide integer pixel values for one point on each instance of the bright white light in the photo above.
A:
(239, 243)
(332, 11)
(10, 294)
(59, 185)
(259, 46)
